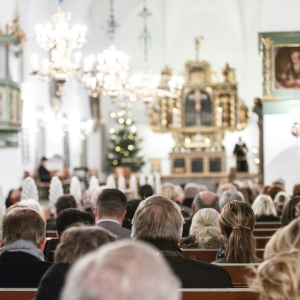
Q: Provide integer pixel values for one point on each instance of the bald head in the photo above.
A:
(205, 200)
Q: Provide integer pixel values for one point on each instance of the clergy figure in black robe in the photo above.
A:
(240, 151)
(43, 172)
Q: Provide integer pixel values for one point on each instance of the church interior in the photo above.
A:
(194, 101)
(171, 41)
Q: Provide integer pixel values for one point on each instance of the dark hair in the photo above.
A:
(43, 159)
(145, 191)
(65, 201)
(296, 190)
(289, 211)
(72, 216)
(111, 203)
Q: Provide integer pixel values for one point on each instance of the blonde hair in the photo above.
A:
(168, 190)
(263, 205)
(205, 227)
(237, 219)
(278, 277)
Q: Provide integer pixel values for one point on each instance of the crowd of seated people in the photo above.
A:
(167, 222)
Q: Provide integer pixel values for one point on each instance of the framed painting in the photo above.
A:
(281, 65)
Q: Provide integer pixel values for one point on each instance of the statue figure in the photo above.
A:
(240, 151)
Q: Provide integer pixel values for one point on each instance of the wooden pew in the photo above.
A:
(239, 273)
(274, 225)
(17, 294)
(218, 294)
(264, 231)
(51, 234)
(209, 255)
(261, 241)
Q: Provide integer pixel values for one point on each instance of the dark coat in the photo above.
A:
(21, 270)
(52, 282)
(192, 273)
(115, 229)
(44, 174)
(49, 250)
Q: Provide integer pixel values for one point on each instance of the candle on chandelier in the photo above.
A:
(220, 110)
(175, 117)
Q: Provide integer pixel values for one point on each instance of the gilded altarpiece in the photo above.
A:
(198, 119)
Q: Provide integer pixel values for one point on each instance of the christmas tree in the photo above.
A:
(124, 147)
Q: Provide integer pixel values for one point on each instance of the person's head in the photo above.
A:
(206, 217)
(169, 191)
(13, 196)
(77, 241)
(296, 190)
(278, 277)
(30, 203)
(279, 182)
(280, 199)
(65, 201)
(180, 198)
(145, 191)
(237, 222)
(122, 270)
(289, 211)
(225, 187)
(295, 57)
(273, 190)
(205, 200)
(190, 190)
(157, 219)
(23, 223)
(229, 196)
(72, 216)
(44, 160)
(111, 204)
(205, 227)
(263, 206)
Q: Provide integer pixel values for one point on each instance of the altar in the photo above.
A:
(199, 117)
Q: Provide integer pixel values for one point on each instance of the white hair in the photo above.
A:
(281, 198)
(230, 195)
(263, 205)
(96, 192)
(123, 270)
(203, 218)
(31, 203)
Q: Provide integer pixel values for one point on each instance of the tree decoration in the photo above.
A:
(55, 191)
(29, 189)
(124, 149)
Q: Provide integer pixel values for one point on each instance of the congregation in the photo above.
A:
(78, 264)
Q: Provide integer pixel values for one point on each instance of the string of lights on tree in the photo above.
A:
(124, 148)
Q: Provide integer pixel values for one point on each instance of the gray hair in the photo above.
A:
(281, 198)
(122, 270)
(263, 205)
(157, 218)
(229, 196)
(206, 217)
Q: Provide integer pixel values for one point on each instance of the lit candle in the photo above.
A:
(175, 117)
(219, 123)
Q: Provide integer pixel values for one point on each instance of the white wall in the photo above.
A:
(282, 151)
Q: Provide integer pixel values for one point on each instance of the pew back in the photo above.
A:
(222, 294)
(274, 225)
(264, 231)
(239, 273)
(17, 293)
(209, 255)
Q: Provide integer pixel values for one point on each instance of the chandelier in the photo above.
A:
(109, 77)
(60, 42)
(148, 87)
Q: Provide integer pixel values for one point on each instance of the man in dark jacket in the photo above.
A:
(21, 256)
(158, 220)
